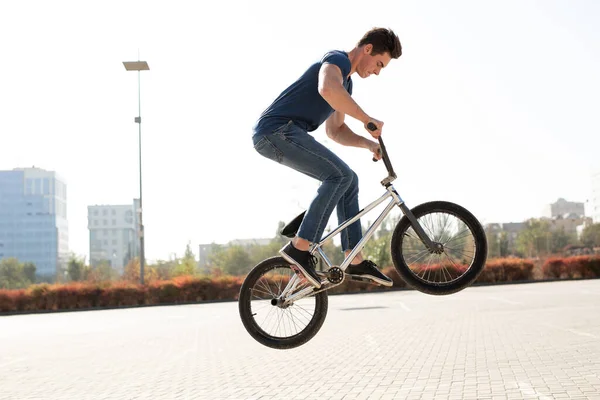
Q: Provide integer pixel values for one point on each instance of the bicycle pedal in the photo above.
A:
(363, 279)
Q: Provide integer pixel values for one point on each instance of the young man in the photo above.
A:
(323, 95)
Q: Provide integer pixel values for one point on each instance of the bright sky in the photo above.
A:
(493, 105)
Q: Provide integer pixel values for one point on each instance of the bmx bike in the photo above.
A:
(437, 248)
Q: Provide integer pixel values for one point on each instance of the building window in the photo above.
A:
(105, 212)
(114, 222)
(95, 213)
(114, 212)
(95, 222)
(104, 222)
(129, 216)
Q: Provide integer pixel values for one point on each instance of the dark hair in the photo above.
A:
(383, 40)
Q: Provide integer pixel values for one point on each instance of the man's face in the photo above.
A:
(370, 64)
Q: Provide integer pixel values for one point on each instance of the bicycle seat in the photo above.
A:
(292, 227)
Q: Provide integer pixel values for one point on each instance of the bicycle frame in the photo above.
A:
(317, 248)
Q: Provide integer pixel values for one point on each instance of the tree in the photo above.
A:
(13, 275)
(560, 239)
(101, 273)
(535, 238)
(131, 272)
(189, 260)
(235, 261)
(76, 269)
(503, 244)
(29, 271)
(164, 269)
(590, 237)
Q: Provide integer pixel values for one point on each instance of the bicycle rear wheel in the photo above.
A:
(459, 263)
(266, 319)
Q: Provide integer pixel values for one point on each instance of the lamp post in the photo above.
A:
(139, 66)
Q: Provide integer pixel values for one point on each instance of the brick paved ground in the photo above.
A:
(534, 341)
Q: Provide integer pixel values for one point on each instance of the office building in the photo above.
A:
(33, 219)
(114, 238)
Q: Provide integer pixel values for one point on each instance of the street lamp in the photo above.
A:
(139, 66)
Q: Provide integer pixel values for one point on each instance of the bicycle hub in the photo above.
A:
(335, 275)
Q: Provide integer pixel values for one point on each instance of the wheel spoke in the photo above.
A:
(279, 321)
(459, 248)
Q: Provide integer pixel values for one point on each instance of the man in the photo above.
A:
(323, 95)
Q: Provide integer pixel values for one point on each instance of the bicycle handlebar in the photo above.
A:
(386, 160)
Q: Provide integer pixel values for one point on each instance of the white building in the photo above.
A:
(562, 208)
(113, 234)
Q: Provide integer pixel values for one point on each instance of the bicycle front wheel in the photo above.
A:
(463, 255)
(270, 322)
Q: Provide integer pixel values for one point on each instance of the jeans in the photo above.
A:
(293, 147)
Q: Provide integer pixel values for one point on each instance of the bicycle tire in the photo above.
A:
(252, 326)
(442, 288)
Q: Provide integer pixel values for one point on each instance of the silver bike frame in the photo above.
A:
(396, 200)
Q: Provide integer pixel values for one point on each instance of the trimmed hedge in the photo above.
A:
(572, 267)
(506, 270)
(190, 289)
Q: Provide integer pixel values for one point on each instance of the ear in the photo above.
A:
(368, 48)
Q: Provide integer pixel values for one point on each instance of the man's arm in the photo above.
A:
(339, 132)
(331, 88)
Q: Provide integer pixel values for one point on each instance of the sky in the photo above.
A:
(493, 105)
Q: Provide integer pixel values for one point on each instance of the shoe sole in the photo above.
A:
(374, 279)
(309, 278)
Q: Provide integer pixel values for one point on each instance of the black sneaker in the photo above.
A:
(368, 269)
(303, 261)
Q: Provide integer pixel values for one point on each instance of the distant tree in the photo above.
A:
(504, 250)
(131, 272)
(560, 239)
(76, 269)
(103, 272)
(535, 238)
(13, 274)
(235, 261)
(164, 269)
(590, 236)
(187, 265)
(29, 271)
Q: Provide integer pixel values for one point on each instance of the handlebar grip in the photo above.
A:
(372, 127)
(378, 152)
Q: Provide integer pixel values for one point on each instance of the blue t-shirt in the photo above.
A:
(301, 101)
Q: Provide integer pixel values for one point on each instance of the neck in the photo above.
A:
(354, 56)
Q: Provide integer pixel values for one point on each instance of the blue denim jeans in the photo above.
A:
(293, 147)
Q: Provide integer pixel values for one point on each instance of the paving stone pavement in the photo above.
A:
(528, 341)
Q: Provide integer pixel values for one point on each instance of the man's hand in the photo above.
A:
(379, 124)
(375, 149)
